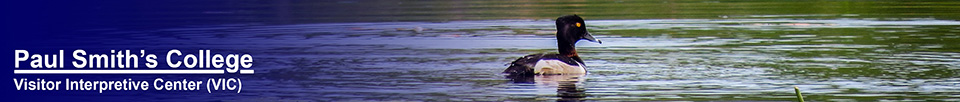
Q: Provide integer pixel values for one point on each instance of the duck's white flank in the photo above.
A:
(550, 66)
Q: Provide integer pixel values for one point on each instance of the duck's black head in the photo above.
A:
(571, 29)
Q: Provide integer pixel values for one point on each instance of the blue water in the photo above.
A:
(649, 59)
(370, 50)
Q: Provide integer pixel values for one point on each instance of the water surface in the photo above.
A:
(649, 59)
(694, 50)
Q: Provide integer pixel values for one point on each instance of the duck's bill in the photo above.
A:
(589, 37)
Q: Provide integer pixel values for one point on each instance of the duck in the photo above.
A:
(570, 30)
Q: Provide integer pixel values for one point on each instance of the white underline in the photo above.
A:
(212, 71)
(246, 71)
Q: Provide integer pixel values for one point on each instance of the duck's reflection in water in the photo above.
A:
(566, 84)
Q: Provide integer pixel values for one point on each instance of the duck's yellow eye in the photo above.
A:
(578, 24)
